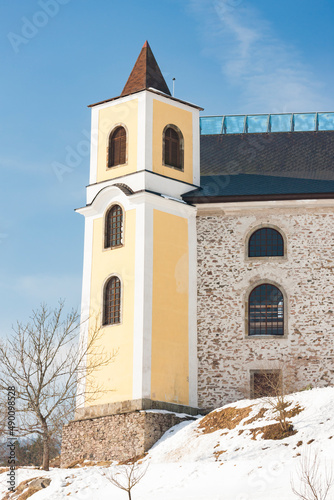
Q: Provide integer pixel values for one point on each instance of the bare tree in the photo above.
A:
(315, 479)
(3, 416)
(126, 476)
(274, 385)
(45, 363)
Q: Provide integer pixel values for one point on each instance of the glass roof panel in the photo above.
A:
(234, 124)
(211, 125)
(304, 122)
(257, 123)
(280, 123)
(325, 121)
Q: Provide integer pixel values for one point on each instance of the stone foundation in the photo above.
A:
(115, 437)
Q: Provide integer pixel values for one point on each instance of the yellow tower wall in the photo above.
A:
(125, 114)
(165, 114)
(117, 376)
(170, 365)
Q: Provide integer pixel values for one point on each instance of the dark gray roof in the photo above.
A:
(291, 154)
(266, 165)
(253, 186)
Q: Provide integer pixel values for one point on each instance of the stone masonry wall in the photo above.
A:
(114, 437)
(226, 355)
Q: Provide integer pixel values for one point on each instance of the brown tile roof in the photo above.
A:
(145, 74)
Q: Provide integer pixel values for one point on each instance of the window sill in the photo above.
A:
(266, 336)
(266, 258)
(111, 325)
(179, 169)
(106, 249)
(116, 166)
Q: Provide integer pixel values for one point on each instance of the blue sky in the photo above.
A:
(228, 56)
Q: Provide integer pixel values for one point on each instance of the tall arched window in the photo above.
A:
(112, 301)
(266, 311)
(266, 242)
(117, 147)
(113, 234)
(173, 147)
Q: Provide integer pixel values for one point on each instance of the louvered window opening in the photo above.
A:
(117, 147)
(114, 227)
(266, 384)
(266, 311)
(266, 242)
(112, 302)
(173, 154)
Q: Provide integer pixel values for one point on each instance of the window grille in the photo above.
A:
(112, 302)
(117, 147)
(266, 311)
(266, 242)
(114, 227)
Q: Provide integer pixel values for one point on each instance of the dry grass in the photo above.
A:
(256, 417)
(55, 462)
(273, 431)
(228, 418)
(28, 493)
(134, 459)
(294, 411)
(23, 484)
(289, 413)
(88, 463)
(75, 463)
(218, 453)
(21, 490)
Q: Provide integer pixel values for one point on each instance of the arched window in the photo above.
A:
(266, 311)
(112, 301)
(266, 242)
(173, 147)
(113, 234)
(117, 147)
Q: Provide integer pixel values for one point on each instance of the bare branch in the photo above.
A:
(44, 361)
(315, 481)
(126, 476)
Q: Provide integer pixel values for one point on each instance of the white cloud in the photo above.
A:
(269, 73)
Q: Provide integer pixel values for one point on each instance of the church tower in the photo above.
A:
(139, 276)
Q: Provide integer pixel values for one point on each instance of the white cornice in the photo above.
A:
(157, 95)
(143, 180)
(113, 194)
(241, 206)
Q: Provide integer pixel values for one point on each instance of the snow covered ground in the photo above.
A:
(191, 462)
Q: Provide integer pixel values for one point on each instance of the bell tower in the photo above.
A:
(139, 275)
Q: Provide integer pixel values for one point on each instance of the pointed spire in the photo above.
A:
(145, 74)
